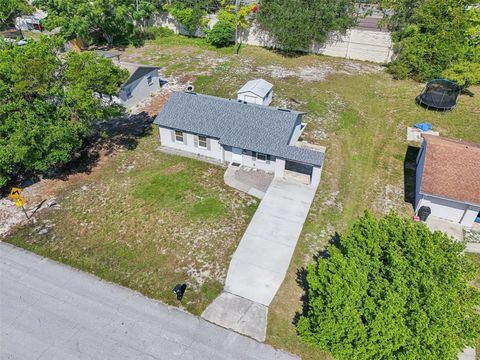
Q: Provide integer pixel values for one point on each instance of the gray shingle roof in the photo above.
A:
(247, 126)
(259, 87)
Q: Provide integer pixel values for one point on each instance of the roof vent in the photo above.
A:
(282, 109)
(190, 88)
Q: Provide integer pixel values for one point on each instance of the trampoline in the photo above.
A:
(439, 94)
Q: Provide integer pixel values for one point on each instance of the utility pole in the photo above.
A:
(237, 7)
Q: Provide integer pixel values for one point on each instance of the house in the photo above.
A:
(256, 91)
(448, 179)
(31, 22)
(239, 133)
(143, 81)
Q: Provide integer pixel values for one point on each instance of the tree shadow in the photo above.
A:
(409, 174)
(302, 281)
(108, 137)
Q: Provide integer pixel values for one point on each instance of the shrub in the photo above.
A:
(221, 34)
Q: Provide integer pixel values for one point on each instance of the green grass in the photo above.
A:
(147, 220)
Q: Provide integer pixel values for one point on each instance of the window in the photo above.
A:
(128, 91)
(202, 142)
(178, 136)
(150, 80)
(261, 157)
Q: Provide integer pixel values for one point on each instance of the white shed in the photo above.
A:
(256, 91)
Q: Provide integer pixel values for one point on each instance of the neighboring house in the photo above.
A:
(31, 22)
(232, 131)
(143, 81)
(256, 91)
(448, 179)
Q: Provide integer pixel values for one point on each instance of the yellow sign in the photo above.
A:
(20, 201)
(15, 193)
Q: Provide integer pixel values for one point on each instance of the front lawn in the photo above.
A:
(147, 220)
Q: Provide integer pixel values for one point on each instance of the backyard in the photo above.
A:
(149, 220)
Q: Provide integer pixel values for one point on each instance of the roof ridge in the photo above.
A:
(235, 101)
(440, 140)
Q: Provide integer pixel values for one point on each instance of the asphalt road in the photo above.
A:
(51, 311)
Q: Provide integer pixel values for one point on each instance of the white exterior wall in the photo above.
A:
(248, 160)
(251, 98)
(279, 167)
(188, 145)
(356, 44)
(140, 89)
(316, 175)
(454, 211)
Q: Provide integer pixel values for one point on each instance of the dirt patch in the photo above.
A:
(321, 71)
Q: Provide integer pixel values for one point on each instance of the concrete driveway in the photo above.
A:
(51, 311)
(259, 264)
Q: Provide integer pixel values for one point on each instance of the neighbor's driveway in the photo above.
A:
(261, 261)
(51, 311)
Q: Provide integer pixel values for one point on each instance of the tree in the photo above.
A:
(434, 38)
(391, 289)
(111, 21)
(296, 24)
(48, 104)
(221, 34)
(10, 9)
(223, 31)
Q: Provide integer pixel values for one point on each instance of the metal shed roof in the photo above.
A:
(259, 87)
(247, 126)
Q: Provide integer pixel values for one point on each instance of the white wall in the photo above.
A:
(356, 44)
(215, 152)
(251, 98)
(454, 211)
(140, 89)
(248, 160)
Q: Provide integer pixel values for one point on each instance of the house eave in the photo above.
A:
(449, 199)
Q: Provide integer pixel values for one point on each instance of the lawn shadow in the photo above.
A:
(108, 137)
(302, 276)
(409, 174)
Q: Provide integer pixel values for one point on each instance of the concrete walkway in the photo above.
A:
(51, 311)
(259, 264)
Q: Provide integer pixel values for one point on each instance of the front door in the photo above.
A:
(236, 155)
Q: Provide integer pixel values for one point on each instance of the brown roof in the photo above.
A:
(451, 169)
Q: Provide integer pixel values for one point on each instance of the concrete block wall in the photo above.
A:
(358, 44)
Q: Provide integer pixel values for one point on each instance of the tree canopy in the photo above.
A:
(391, 289)
(9, 9)
(48, 103)
(110, 21)
(296, 24)
(435, 38)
